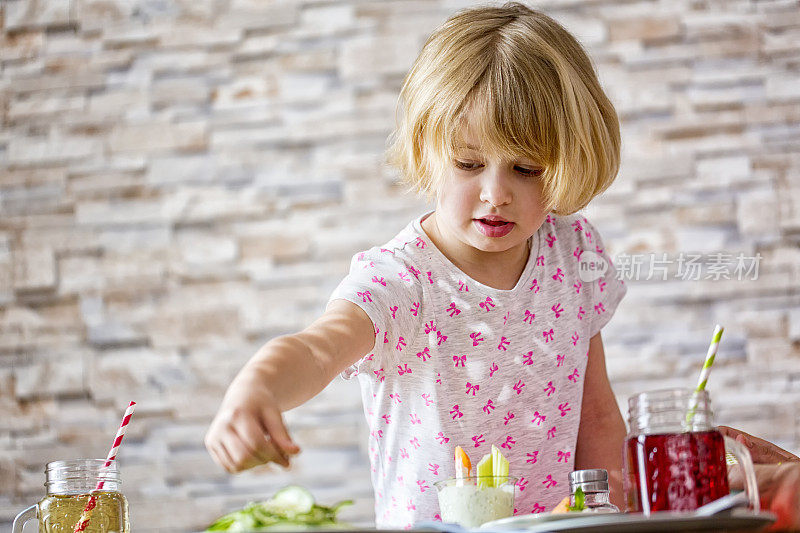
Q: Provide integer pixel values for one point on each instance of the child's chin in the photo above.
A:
(493, 244)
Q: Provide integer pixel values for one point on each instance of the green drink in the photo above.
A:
(59, 513)
(70, 486)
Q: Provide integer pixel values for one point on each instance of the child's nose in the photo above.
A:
(495, 187)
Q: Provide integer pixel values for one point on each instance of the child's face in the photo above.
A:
(488, 204)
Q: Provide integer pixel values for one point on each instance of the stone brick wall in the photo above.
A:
(182, 180)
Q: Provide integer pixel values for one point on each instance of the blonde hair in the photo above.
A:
(533, 91)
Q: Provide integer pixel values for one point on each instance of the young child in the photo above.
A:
(475, 325)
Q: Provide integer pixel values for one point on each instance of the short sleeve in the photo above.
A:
(597, 268)
(387, 289)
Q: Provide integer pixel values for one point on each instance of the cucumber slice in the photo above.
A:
(291, 508)
(243, 522)
(500, 466)
(484, 472)
(291, 501)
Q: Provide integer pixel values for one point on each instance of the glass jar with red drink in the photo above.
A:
(674, 457)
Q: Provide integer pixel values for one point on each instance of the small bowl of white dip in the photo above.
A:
(472, 501)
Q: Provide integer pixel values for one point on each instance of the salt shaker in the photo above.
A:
(594, 484)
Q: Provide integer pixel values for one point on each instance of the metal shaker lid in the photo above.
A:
(591, 480)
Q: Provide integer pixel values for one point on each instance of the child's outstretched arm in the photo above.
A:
(602, 429)
(248, 429)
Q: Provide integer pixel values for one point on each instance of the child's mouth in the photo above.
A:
(493, 228)
(494, 222)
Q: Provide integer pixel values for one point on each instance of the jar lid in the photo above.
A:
(591, 480)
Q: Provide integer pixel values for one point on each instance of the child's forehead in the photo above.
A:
(473, 135)
(493, 146)
(464, 143)
(477, 129)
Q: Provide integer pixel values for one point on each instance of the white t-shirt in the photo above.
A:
(456, 362)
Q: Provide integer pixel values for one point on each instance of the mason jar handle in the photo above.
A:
(22, 518)
(748, 470)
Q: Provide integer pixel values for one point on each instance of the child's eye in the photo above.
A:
(467, 165)
(525, 171)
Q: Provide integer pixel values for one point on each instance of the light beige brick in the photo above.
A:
(121, 212)
(31, 151)
(36, 14)
(649, 27)
(187, 35)
(782, 87)
(155, 137)
(38, 107)
(756, 214)
(179, 92)
(790, 213)
(21, 45)
(116, 103)
(257, 16)
(376, 56)
(58, 82)
(245, 90)
(54, 374)
(34, 270)
(794, 324)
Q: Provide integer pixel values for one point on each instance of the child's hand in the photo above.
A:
(286, 372)
(248, 429)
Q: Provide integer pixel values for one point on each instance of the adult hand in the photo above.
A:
(779, 491)
(777, 476)
(762, 451)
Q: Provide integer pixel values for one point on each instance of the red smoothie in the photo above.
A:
(675, 471)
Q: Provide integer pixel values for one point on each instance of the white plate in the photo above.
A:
(739, 519)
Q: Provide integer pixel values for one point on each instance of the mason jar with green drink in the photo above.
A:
(73, 499)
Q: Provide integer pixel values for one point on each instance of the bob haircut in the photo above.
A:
(531, 91)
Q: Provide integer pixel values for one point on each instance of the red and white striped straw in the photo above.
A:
(112, 454)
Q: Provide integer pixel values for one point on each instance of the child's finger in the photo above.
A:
(272, 451)
(241, 454)
(259, 446)
(278, 456)
(227, 461)
(276, 429)
(217, 457)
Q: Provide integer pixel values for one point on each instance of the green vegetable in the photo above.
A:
(484, 472)
(500, 466)
(291, 508)
(580, 501)
(291, 501)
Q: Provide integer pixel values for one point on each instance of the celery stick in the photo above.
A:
(500, 466)
(484, 472)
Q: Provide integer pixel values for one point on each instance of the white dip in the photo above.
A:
(470, 506)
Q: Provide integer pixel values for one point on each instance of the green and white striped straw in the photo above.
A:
(712, 353)
(701, 383)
